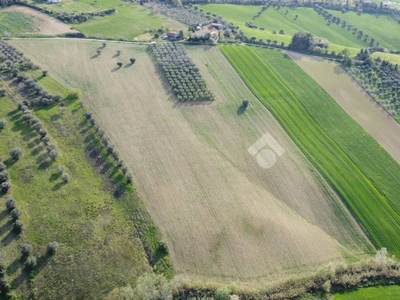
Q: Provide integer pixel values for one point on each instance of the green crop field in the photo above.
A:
(15, 23)
(99, 247)
(371, 293)
(372, 208)
(369, 155)
(393, 58)
(77, 6)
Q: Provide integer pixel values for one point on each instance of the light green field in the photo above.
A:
(273, 19)
(16, 23)
(355, 186)
(78, 6)
(393, 58)
(128, 22)
(99, 246)
(371, 293)
(383, 28)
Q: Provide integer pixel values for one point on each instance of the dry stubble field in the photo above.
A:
(353, 99)
(222, 215)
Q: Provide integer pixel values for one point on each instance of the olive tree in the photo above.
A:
(3, 123)
(15, 153)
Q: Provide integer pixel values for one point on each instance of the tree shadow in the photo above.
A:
(9, 162)
(9, 238)
(46, 164)
(6, 227)
(15, 265)
(128, 65)
(94, 56)
(34, 142)
(241, 110)
(3, 214)
(54, 177)
(115, 69)
(19, 279)
(115, 55)
(57, 186)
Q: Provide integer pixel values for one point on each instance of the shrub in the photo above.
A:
(42, 133)
(222, 293)
(31, 263)
(245, 103)
(18, 226)
(50, 148)
(16, 213)
(52, 248)
(119, 64)
(4, 187)
(2, 92)
(124, 169)
(46, 140)
(15, 153)
(118, 52)
(37, 126)
(57, 97)
(10, 203)
(65, 177)
(53, 154)
(98, 51)
(3, 123)
(129, 177)
(60, 169)
(2, 166)
(45, 72)
(26, 249)
(4, 176)
(132, 60)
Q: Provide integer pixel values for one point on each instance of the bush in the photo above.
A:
(222, 293)
(4, 187)
(3, 123)
(31, 263)
(15, 153)
(129, 177)
(18, 226)
(42, 133)
(60, 169)
(45, 72)
(119, 64)
(46, 140)
(65, 177)
(132, 60)
(16, 213)
(2, 166)
(4, 176)
(53, 154)
(26, 249)
(10, 203)
(52, 248)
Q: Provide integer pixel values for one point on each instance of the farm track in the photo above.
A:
(373, 210)
(222, 215)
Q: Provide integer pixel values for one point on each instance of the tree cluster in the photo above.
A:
(181, 73)
(5, 183)
(13, 61)
(379, 78)
(184, 14)
(302, 41)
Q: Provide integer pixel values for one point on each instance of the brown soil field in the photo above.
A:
(44, 24)
(354, 100)
(223, 216)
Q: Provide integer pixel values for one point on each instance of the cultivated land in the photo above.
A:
(99, 249)
(30, 21)
(393, 58)
(352, 98)
(369, 204)
(222, 215)
(369, 155)
(372, 293)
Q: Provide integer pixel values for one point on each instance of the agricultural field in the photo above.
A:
(223, 217)
(371, 293)
(77, 6)
(310, 21)
(128, 22)
(21, 20)
(349, 179)
(352, 98)
(92, 227)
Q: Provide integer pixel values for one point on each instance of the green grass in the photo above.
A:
(393, 58)
(16, 23)
(128, 22)
(371, 293)
(77, 6)
(100, 247)
(371, 208)
(383, 29)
